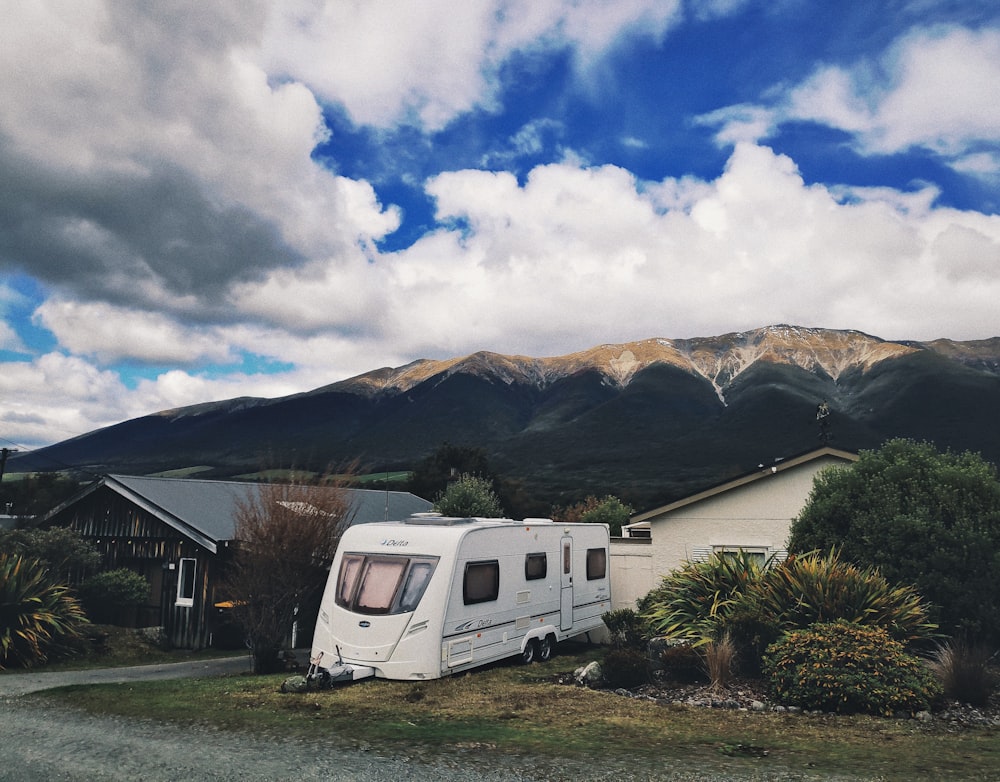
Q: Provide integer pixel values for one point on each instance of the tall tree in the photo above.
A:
(471, 496)
(35, 494)
(61, 550)
(433, 474)
(607, 510)
(286, 536)
(921, 517)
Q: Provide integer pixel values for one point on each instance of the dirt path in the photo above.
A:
(43, 741)
(13, 684)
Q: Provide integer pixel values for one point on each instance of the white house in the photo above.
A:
(753, 512)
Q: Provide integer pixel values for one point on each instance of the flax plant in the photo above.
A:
(36, 614)
(822, 588)
(694, 601)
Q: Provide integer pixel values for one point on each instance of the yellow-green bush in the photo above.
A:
(848, 668)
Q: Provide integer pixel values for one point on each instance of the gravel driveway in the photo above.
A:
(41, 741)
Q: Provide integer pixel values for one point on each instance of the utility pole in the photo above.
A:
(4, 453)
(823, 418)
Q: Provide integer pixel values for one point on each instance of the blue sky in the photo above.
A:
(203, 201)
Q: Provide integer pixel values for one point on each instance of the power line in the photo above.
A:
(21, 448)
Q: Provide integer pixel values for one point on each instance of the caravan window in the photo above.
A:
(382, 584)
(597, 563)
(535, 566)
(482, 582)
(379, 583)
(350, 569)
(416, 583)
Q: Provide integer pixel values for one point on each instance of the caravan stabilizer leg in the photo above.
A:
(336, 673)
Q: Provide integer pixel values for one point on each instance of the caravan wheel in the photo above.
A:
(529, 652)
(545, 648)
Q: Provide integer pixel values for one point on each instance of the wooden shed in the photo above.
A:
(178, 534)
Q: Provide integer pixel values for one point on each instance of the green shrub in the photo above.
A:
(922, 517)
(469, 495)
(751, 627)
(817, 587)
(848, 669)
(963, 670)
(680, 660)
(112, 596)
(626, 628)
(625, 668)
(694, 601)
(36, 614)
(754, 604)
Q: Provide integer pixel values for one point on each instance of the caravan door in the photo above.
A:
(566, 586)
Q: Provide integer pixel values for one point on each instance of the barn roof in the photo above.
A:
(205, 510)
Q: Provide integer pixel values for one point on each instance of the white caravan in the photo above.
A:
(430, 596)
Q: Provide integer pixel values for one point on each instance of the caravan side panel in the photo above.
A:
(497, 587)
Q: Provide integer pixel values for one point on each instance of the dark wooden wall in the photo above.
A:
(129, 537)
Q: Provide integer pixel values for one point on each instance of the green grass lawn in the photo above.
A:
(524, 710)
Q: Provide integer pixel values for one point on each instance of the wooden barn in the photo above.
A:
(178, 534)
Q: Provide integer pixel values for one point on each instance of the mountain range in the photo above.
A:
(649, 421)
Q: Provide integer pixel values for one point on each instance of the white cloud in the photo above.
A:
(153, 153)
(581, 256)
(933, 89)
(113, 334)
(55, 397)
(9, 339)
(428, 62)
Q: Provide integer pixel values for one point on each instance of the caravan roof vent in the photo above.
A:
(433, 519)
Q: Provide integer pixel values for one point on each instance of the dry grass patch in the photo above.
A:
(510, 709)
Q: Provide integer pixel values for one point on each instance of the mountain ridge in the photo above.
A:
(648, 420)
(718, 359)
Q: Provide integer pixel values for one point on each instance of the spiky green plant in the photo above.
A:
(35, 612)
(694, 601)
(822, 588)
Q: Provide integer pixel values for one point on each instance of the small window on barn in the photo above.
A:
(185, 582)
(597, 563)
(482, 582)
(535, 566)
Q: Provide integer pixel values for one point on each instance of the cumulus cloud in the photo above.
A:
(933, 88)
(426, 63)
(146, 155)
(578, 256)
(111, 334)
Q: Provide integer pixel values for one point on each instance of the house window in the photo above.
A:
(185, 581)
(482, 582)
(756, 554)
(597, 563)
(535, 566)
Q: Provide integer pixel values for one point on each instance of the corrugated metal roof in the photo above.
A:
(208, 508)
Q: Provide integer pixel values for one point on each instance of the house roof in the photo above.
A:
(762, 471)
(205, 510)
